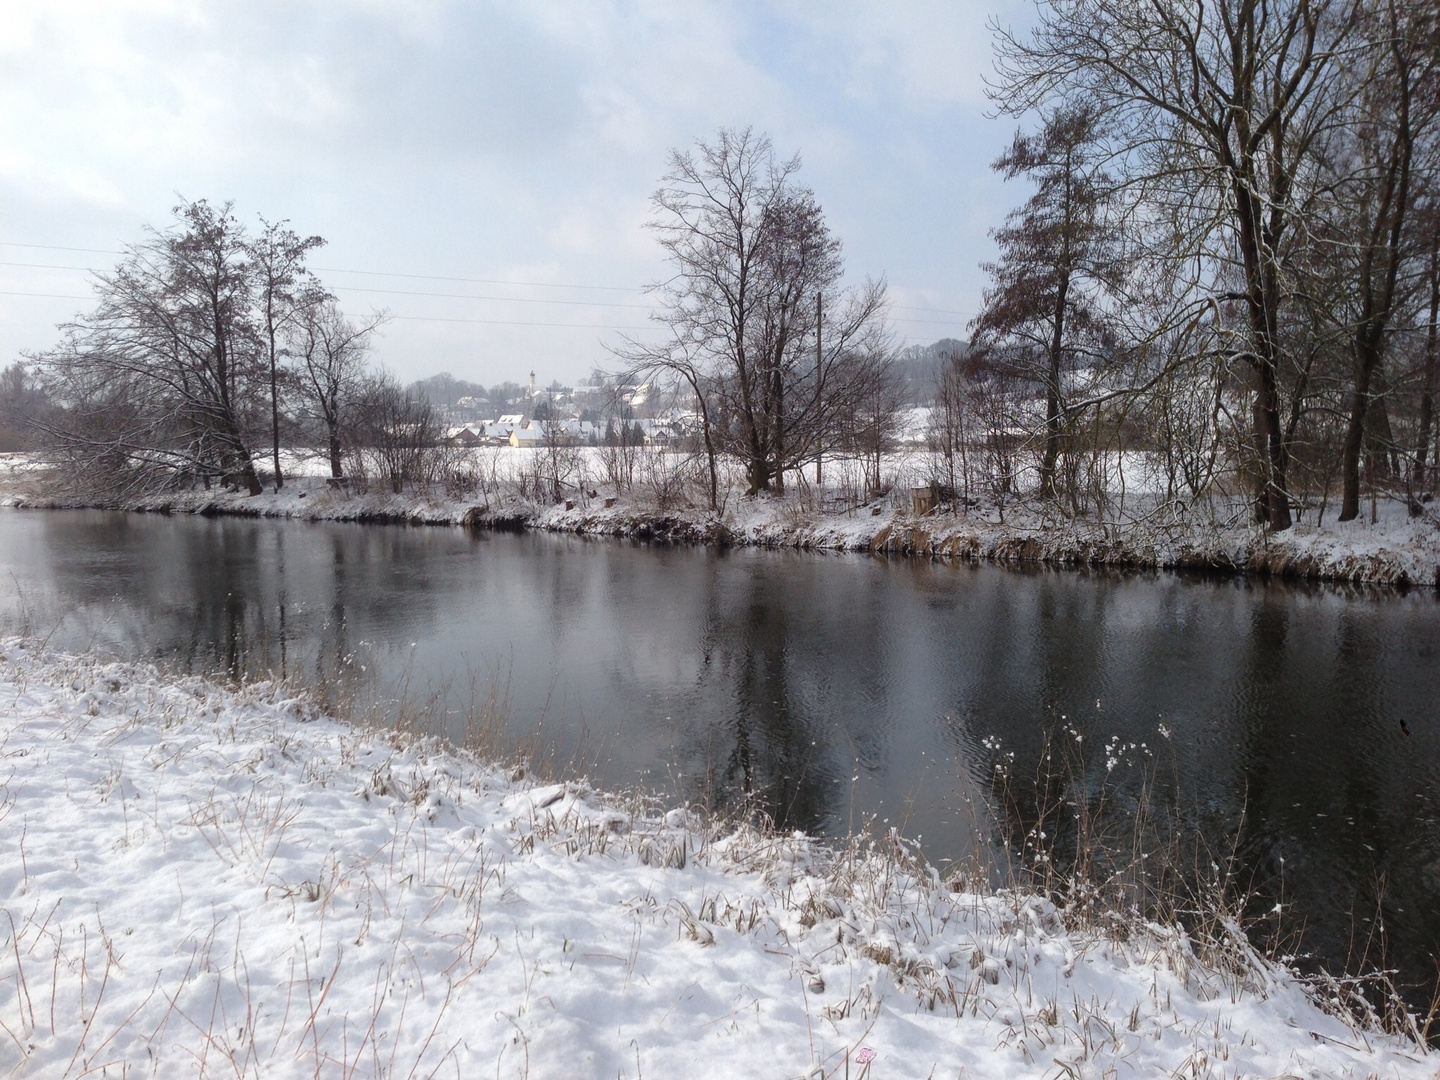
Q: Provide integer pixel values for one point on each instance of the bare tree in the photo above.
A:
(559, 451)
(678, 359)
(993, 401)
(1183, 411)
(23, 405)
(159, 381)
(756, 269)
(331, 351)
(1419, 476)
(1394, 105)
(950, 424)
(870, 430)
(619, 442)
(397, 435)
(283, 288)
(711, 210)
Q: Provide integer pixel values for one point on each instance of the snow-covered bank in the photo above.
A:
(1395, 550)
(201, 881)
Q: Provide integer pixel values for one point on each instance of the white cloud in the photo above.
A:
(456, 138)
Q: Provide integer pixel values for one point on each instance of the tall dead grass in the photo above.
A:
(1103, 833)
(1097, 831)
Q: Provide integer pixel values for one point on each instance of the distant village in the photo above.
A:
(593, 414)
(599, 411)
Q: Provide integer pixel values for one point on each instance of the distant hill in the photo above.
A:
(917, 369)
(445, 389)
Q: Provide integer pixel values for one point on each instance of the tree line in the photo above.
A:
(1231, 255)
(1226, 267)
(210, 347)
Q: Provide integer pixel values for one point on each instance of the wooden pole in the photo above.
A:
(819, 315)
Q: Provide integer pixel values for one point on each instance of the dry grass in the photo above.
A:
(1101, 833)
(1113, 860)
(872, 901)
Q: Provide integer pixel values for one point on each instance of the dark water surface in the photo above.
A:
(834, 688)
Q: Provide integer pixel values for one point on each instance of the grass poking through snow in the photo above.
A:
(203, 881)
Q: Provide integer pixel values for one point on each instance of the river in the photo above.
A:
(1295, 725)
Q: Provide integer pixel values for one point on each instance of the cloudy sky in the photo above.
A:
(482, 170)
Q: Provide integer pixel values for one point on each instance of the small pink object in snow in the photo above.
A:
(865, 1056)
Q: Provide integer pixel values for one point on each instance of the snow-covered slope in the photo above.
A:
(200, 881)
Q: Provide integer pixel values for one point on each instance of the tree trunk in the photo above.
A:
(275, 406)
(1380, 436)
(236, 457)
(758, 473)
(1385, 246)
(1427, 391)
(336, 469)
(1272, 499)
(710, 462)
(248, 476)
(1052, 392)
(819, 369)
(1355, 432)
(1277, 496)
(779, 440)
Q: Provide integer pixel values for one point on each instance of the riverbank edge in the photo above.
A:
(1357, 553)
(108, 726)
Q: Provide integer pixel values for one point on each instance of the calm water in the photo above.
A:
(836, 689)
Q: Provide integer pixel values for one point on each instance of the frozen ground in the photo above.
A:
(664, 501)
(205, 882)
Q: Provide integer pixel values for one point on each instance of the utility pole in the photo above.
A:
(819, 317)
(274, 383)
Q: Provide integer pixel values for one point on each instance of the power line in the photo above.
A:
(402, 318)
(475, 322)
(57, 247)
(404, 292)
(550, 285)
(339, 270)
(432, 277)
(501, 299)
(479, 281)
(51, 266)
(48, 295)
(510, 322)
(442, 295)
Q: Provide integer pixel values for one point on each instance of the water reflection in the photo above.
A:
(828, 689)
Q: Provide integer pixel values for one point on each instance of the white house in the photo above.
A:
(467, 434)
(530, 435)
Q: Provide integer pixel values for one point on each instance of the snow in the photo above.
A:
(1140, 530)
(210, 881)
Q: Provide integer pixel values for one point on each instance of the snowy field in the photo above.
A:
(207, 882)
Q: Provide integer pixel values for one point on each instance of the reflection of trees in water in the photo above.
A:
(243, 599)
(1287, 774)
(1253, 821)
(752, 645)
(785, 699)
(1330, 824)
(235, 581)
(1285, 701)
(1056, 806)
(336, 627)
